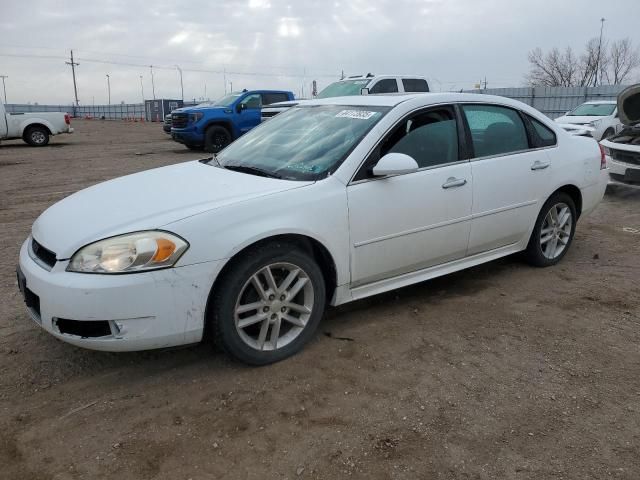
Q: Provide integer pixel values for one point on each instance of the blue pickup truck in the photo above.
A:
(215, 125)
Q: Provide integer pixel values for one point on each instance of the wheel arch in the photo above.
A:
(575, 194)
(309, 244)
(219, 123)
(28, 125)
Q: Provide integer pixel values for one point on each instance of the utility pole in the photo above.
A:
(142, 88)
(231, 85)
(485, 83)
(73, 71)
(224, 77)
(109, 88)
(595, 83)
(153, 85)
(4, 87)
(181, 86)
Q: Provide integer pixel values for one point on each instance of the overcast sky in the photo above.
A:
(283, 44)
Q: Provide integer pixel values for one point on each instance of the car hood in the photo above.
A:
(629, 105)
(579, 120)
(146, 200)
(196, 109)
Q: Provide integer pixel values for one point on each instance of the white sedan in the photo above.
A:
(329, 202)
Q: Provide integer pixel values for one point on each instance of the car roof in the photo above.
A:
(429, 99)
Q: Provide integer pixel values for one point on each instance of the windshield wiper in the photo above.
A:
(252, 171)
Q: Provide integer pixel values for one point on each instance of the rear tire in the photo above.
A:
(216, 138)
(37, 136)
(553, 232)
(268, 304)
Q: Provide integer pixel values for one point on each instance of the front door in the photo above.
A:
(249, 112)
(405, 223)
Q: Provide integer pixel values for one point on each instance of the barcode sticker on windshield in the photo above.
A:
(358, 114)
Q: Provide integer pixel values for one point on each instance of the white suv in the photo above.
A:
(368, 84)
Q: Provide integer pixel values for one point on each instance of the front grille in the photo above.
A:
(43, 254)
(84, 329)
(626, 157)
(179, 120)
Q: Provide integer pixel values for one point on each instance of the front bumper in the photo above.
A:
(147, 310)
(621, 173)
(580, 130)
(187, 137)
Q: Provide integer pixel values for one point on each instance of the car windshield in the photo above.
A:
(227, 100)
(343, 88)
(303, 143)
(593, 110)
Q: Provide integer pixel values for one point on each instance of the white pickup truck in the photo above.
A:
(34, 128)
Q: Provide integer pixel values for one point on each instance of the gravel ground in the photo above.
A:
(501, 371)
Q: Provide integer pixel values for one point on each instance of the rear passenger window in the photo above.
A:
(495, 130)
(388, 85)
(269, 98)
(543, 135)
(415, 85)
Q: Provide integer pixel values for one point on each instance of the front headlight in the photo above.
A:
(195, 117)
(595, 123)
(133, 252)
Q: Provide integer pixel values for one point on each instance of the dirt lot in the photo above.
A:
(502, 371)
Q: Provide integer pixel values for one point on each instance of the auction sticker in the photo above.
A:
(357, 114)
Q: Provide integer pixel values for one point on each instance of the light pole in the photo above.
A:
(4, 87)
(602, 20)
(181, 86)
(153, 86)
(109, 88)
(142, 88)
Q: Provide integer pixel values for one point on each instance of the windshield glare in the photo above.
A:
(227, 100)
(593, 110)
(303, 143)
(343, 88)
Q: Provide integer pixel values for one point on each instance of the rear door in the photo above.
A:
(415, 85)
(510, 175)
(273, 97)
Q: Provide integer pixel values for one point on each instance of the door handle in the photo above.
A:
(454, 182)
(538, 165)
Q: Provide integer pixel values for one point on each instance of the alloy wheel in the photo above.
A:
(274, 306)
(556, 230)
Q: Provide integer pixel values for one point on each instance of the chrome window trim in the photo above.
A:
(515, 152)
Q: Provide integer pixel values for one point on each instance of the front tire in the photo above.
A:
(216, 138)
(553, 232)
(268, 304)
(37, 136)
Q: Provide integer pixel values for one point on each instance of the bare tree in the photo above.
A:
(598, 64)
(555, 69)
(623, 59)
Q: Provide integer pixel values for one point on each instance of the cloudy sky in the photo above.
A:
(282, 44)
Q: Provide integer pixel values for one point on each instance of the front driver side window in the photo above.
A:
(430, 138)
(252, 101)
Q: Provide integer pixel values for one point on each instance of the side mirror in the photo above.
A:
(394, 164)
(364, 91)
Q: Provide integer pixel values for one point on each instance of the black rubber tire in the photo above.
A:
(607, 133)
(36, 136)
(223, 298)
(193, 147)
(533, 254)
(216, 138)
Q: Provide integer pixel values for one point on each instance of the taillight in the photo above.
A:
(603, 158)
(67, 119)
